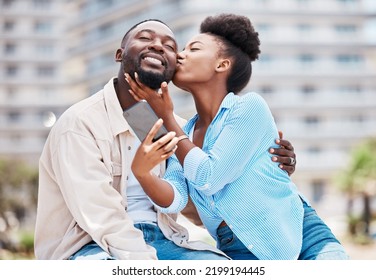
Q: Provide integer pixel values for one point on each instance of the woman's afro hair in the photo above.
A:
(236, 29)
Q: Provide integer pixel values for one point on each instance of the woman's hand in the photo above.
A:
(160, 102)
(285, 155)
(150, 153)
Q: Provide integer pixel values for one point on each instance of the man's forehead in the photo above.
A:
(156, 27)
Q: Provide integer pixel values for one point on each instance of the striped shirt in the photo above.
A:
(232, 178)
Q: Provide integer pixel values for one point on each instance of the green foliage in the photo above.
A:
(26, 240)
(361, 168)
(358, 180)
(18, 197)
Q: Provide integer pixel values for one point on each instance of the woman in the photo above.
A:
(247, 203)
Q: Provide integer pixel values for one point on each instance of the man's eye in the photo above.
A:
(171, 47)
(144, 38)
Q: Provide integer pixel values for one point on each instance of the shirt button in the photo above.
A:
(127, 178)
(250, 247)
(129, 147)
(212, 203)
(230, 226)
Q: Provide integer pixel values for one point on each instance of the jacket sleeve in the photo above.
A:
(86, 185)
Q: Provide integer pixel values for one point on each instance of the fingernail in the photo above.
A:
(274, 159)
(277, 141)
(135, 74)
(280, 166)
(271, 150)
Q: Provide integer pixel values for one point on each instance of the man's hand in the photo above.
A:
(285, 155)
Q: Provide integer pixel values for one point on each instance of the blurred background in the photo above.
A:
(317, 71)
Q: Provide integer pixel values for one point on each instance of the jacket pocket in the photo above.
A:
(116, 175)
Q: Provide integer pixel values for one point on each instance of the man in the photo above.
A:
(90, 206)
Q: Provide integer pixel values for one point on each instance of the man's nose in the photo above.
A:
(156, 45)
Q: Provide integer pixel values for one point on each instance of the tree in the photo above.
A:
(18, 193)
(359, 180)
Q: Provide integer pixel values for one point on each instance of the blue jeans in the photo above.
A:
(319, 243)
(166, 249)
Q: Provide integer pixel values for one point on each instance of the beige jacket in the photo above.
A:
(83, 169)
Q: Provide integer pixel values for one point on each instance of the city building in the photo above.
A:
(32, 88)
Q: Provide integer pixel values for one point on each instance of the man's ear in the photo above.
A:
(223, 65)
(119, 55)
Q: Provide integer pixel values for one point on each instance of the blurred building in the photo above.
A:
(317, 69)
(31, 82)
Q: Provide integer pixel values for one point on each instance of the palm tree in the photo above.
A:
(359, 180)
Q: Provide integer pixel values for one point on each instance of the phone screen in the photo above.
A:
(141, 119)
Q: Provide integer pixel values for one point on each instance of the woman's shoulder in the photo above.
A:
(252, 100)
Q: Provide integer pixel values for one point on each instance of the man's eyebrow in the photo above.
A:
(152, 31)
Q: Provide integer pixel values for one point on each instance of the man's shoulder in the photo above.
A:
(82, 111)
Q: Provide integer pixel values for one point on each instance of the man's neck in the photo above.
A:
(122, 92)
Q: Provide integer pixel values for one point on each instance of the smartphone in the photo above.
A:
(141, 118)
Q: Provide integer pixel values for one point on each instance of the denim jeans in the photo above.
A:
(319, 243)
(166, 249)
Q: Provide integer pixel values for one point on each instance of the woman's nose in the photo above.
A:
(181, 55)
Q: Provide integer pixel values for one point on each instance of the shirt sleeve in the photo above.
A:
(86, 185)
(247, 131)
(175, 177)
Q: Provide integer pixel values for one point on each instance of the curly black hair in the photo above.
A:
(240, 41)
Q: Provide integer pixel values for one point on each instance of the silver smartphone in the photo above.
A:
(141, 119)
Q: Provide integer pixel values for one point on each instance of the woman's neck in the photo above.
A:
(207, 101)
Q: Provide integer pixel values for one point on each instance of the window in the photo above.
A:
(263, 27)
(45, 71)
(304, 27)
(11, 70)
(306, 58)
(45, 49)
(42, 3)
(265, 59)
(347, 1)
(8, 25)
(318, 190)
(350, 89)
(266, 89)
(7, 3)
(311, 120)
(347, 59)
(308, 89)
(313, 150)
(346, 29)
(14, 116)
(42, 27)
(9, 48)
(105, 29)
(359, 119)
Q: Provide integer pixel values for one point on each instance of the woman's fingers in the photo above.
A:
(153, 131)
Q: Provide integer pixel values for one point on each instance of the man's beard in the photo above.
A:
(149, 78)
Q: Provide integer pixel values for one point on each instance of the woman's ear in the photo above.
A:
(223, 65)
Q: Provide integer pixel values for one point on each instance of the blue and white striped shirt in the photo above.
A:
(232, 178)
